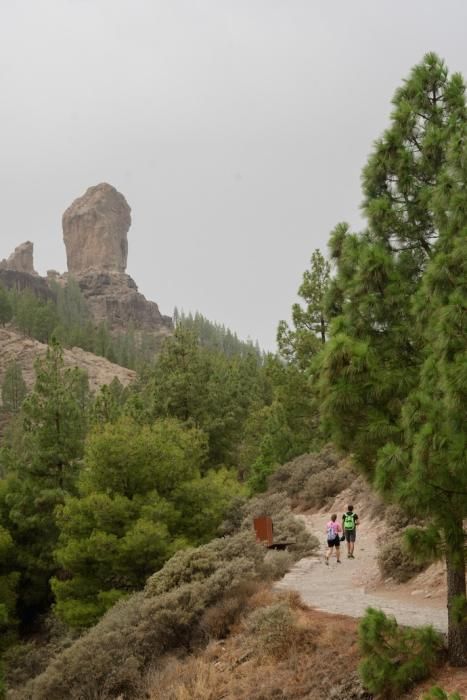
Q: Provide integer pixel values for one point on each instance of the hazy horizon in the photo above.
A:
(236, 130)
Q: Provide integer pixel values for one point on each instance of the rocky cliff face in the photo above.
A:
(95, 228)
(11, 279)
(21, 260)
(113, 297)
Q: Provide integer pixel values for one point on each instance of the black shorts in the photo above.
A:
(351, 535)
(335, 542)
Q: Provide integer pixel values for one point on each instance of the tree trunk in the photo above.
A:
(457, 630)
(323, 329)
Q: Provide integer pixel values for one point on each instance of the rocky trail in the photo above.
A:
(354, 585)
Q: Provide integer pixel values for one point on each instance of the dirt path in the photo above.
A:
(352, 586)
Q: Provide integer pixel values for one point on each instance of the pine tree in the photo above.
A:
(6, 310)
(379, 387)
(372, 360)
(141, 498)
(430, 468)
(13, 388)
(311, 322)
(42, 464)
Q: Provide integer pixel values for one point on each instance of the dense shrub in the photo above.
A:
(311, 480)
(197, 564)
(396, 518)
(272, 628)
(277, 563)
(219, 619)
(233, 516)
(394, 657)
(324, 485)
(197, 595)
(293, 476)
(170, 613)
(26, 660)
(395, 562)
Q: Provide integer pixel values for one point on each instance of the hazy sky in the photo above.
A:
(236, 129)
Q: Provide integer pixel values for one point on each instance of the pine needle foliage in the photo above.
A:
(394, 657)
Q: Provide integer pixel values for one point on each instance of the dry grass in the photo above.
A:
(450, 679)
(316, 659)
(281, 650)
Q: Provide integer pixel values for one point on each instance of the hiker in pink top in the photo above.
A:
(333, 533)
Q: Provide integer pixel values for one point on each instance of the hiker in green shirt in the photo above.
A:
(349, 527)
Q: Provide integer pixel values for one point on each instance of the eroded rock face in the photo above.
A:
(113, 298)
(95, 229)
(21, 281)
(21, 260)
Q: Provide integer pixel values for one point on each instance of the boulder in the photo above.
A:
(95, 228)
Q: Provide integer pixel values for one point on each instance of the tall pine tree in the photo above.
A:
(375, 369)
(42, 464)
(300, 344)
(429, 470)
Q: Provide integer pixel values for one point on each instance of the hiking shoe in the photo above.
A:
(326, 562)
(339, 561)
(351, 556)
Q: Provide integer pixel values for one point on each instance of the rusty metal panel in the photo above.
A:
(263, 530)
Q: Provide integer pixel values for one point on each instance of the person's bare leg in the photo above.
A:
(328, 554)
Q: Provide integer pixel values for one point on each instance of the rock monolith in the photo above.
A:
(95, 228)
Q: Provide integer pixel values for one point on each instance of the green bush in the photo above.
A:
(394, 657)
(395, 562)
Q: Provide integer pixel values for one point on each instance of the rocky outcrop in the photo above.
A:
(95, 228)
(95, 231)
(14, 347)
(21, 260)
(114, 298)
(21, 281)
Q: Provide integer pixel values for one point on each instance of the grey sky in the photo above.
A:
(236, 129)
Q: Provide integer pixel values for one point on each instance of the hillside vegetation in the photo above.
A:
(112, 502)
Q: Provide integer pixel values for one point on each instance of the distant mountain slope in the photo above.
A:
(14, 346)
